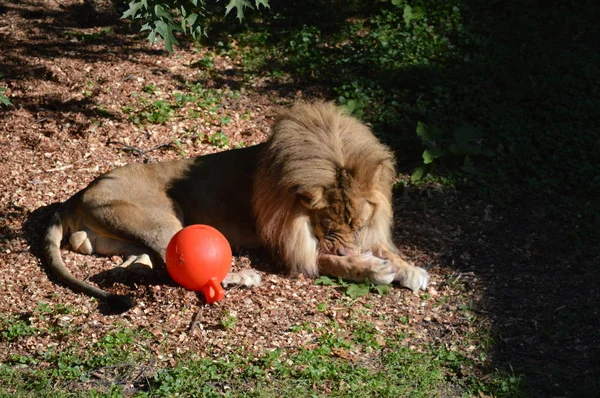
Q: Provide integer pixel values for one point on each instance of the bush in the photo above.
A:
(164, 17)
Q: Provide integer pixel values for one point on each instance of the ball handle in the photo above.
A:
(213, 291)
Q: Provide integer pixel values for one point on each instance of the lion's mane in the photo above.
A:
(315, 146)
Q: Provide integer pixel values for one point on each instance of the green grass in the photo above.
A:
(79, 35)
(344, 360)
(194, 102)
(52, 370)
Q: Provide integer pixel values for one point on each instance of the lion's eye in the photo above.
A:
(326, 223)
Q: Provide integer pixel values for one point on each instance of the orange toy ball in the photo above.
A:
(198, 258)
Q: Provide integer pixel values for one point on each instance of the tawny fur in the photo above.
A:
(310, 146)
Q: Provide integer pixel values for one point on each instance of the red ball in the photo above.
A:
(198, 258)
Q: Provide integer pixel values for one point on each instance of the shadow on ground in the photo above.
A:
(89, 30)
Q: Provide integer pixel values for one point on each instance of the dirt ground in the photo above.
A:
(70, 82)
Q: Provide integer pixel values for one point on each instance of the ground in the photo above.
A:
(90, 95)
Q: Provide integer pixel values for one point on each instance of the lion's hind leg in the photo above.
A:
(87, 242)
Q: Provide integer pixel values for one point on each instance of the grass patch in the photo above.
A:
(342, 360)
(52, 370)
(195, 102)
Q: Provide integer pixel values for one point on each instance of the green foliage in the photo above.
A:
(353, 290)
(73, 361)
(13, 328)
(228, 321)
(164, 18)
(385, 366)
(218, 139)
(319, 370)
(365, 58)
(3, 98)
(197, 101)
(149, 88)
(239, 6)
(507, 114)
(89, 37)
(157, 112)
(46, 372)
(464, 143)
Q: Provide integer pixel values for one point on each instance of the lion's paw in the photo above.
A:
(381, 271)
(137, 261)
(414, 278)
(244, 278)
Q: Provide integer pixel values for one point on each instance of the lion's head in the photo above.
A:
(323, 185)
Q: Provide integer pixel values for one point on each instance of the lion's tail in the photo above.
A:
(53, 260)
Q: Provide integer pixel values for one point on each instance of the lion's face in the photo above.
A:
(338, 218)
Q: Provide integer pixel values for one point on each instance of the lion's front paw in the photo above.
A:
(414, 278)
(381, 271)
(244, 278)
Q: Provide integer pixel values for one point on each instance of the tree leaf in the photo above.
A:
(239, 6)
(134, 7)
(430, 135)
(264, 3)
(468, 165)
(422, 131)
(161, 12)
(5, 101)
(408, 15)
(417, 13)
(325, 281)
(470, 149)
(355, 291)
(383, 289)
(418, 174)
(165, 31)
(192, 19)
(351, 105)
(429, 155)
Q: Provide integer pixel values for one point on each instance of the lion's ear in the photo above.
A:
(311, 198)
(383, 172)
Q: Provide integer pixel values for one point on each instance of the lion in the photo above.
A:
(317, 194)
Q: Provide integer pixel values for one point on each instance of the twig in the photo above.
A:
(140, 152)
(129, 148)
(195, 319)
(46, 118)
(61, 168)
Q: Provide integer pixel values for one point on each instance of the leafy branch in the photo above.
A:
(165, 17)
(464, 142)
